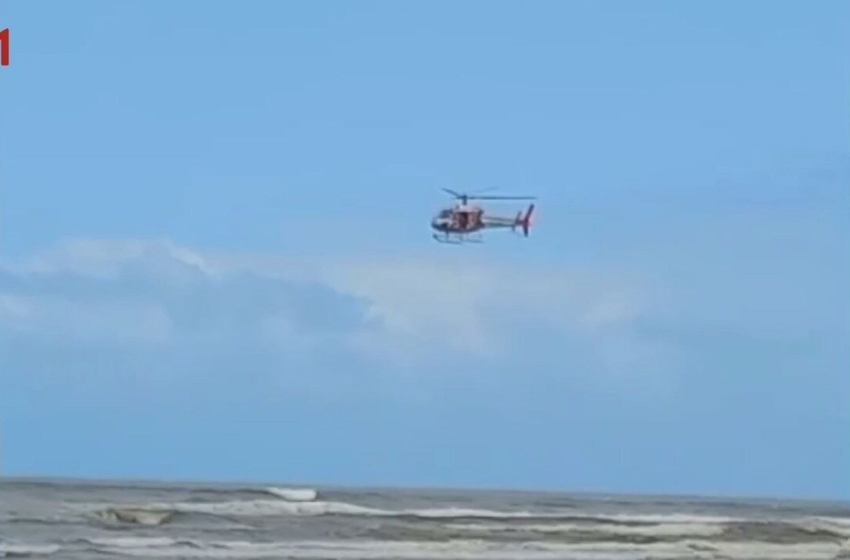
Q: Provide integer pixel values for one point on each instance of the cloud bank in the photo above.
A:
(91, 316)
(122, 306)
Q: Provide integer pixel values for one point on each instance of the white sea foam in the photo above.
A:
(154, 513)
(22, 550)
(134, 542)
(473, 550)
(294, 494)
(835, 525)
(158, 513)
(660, 530)
(660, 526)
(139, 516)
(264, 508)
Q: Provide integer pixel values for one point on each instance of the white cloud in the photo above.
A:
(106, 258)
(443, 316)
(479, 309)
(81, 322)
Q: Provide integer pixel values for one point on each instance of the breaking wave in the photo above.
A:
(289, 494)
(301, 501)
(484, 522)
(150, 517)
(660, 531)
(161, 547)
(163, 512)
(17, 550)
(156, 513)
(800, 531)
(294, 494)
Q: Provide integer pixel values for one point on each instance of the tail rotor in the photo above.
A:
(524, 221)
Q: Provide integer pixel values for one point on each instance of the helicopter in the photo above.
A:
(464, 222)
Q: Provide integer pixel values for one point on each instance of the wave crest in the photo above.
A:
(475, 549)
(293, 494)
(149, 517)
(10, 550)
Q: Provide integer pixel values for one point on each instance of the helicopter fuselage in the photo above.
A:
(461, 219)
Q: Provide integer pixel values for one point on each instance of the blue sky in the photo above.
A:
(216, 261)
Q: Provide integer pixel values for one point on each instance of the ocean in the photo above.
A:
(72, 520)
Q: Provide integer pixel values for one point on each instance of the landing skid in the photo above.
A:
(456, 239)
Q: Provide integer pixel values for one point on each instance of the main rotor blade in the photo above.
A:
(465, 196)
(472, 197)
